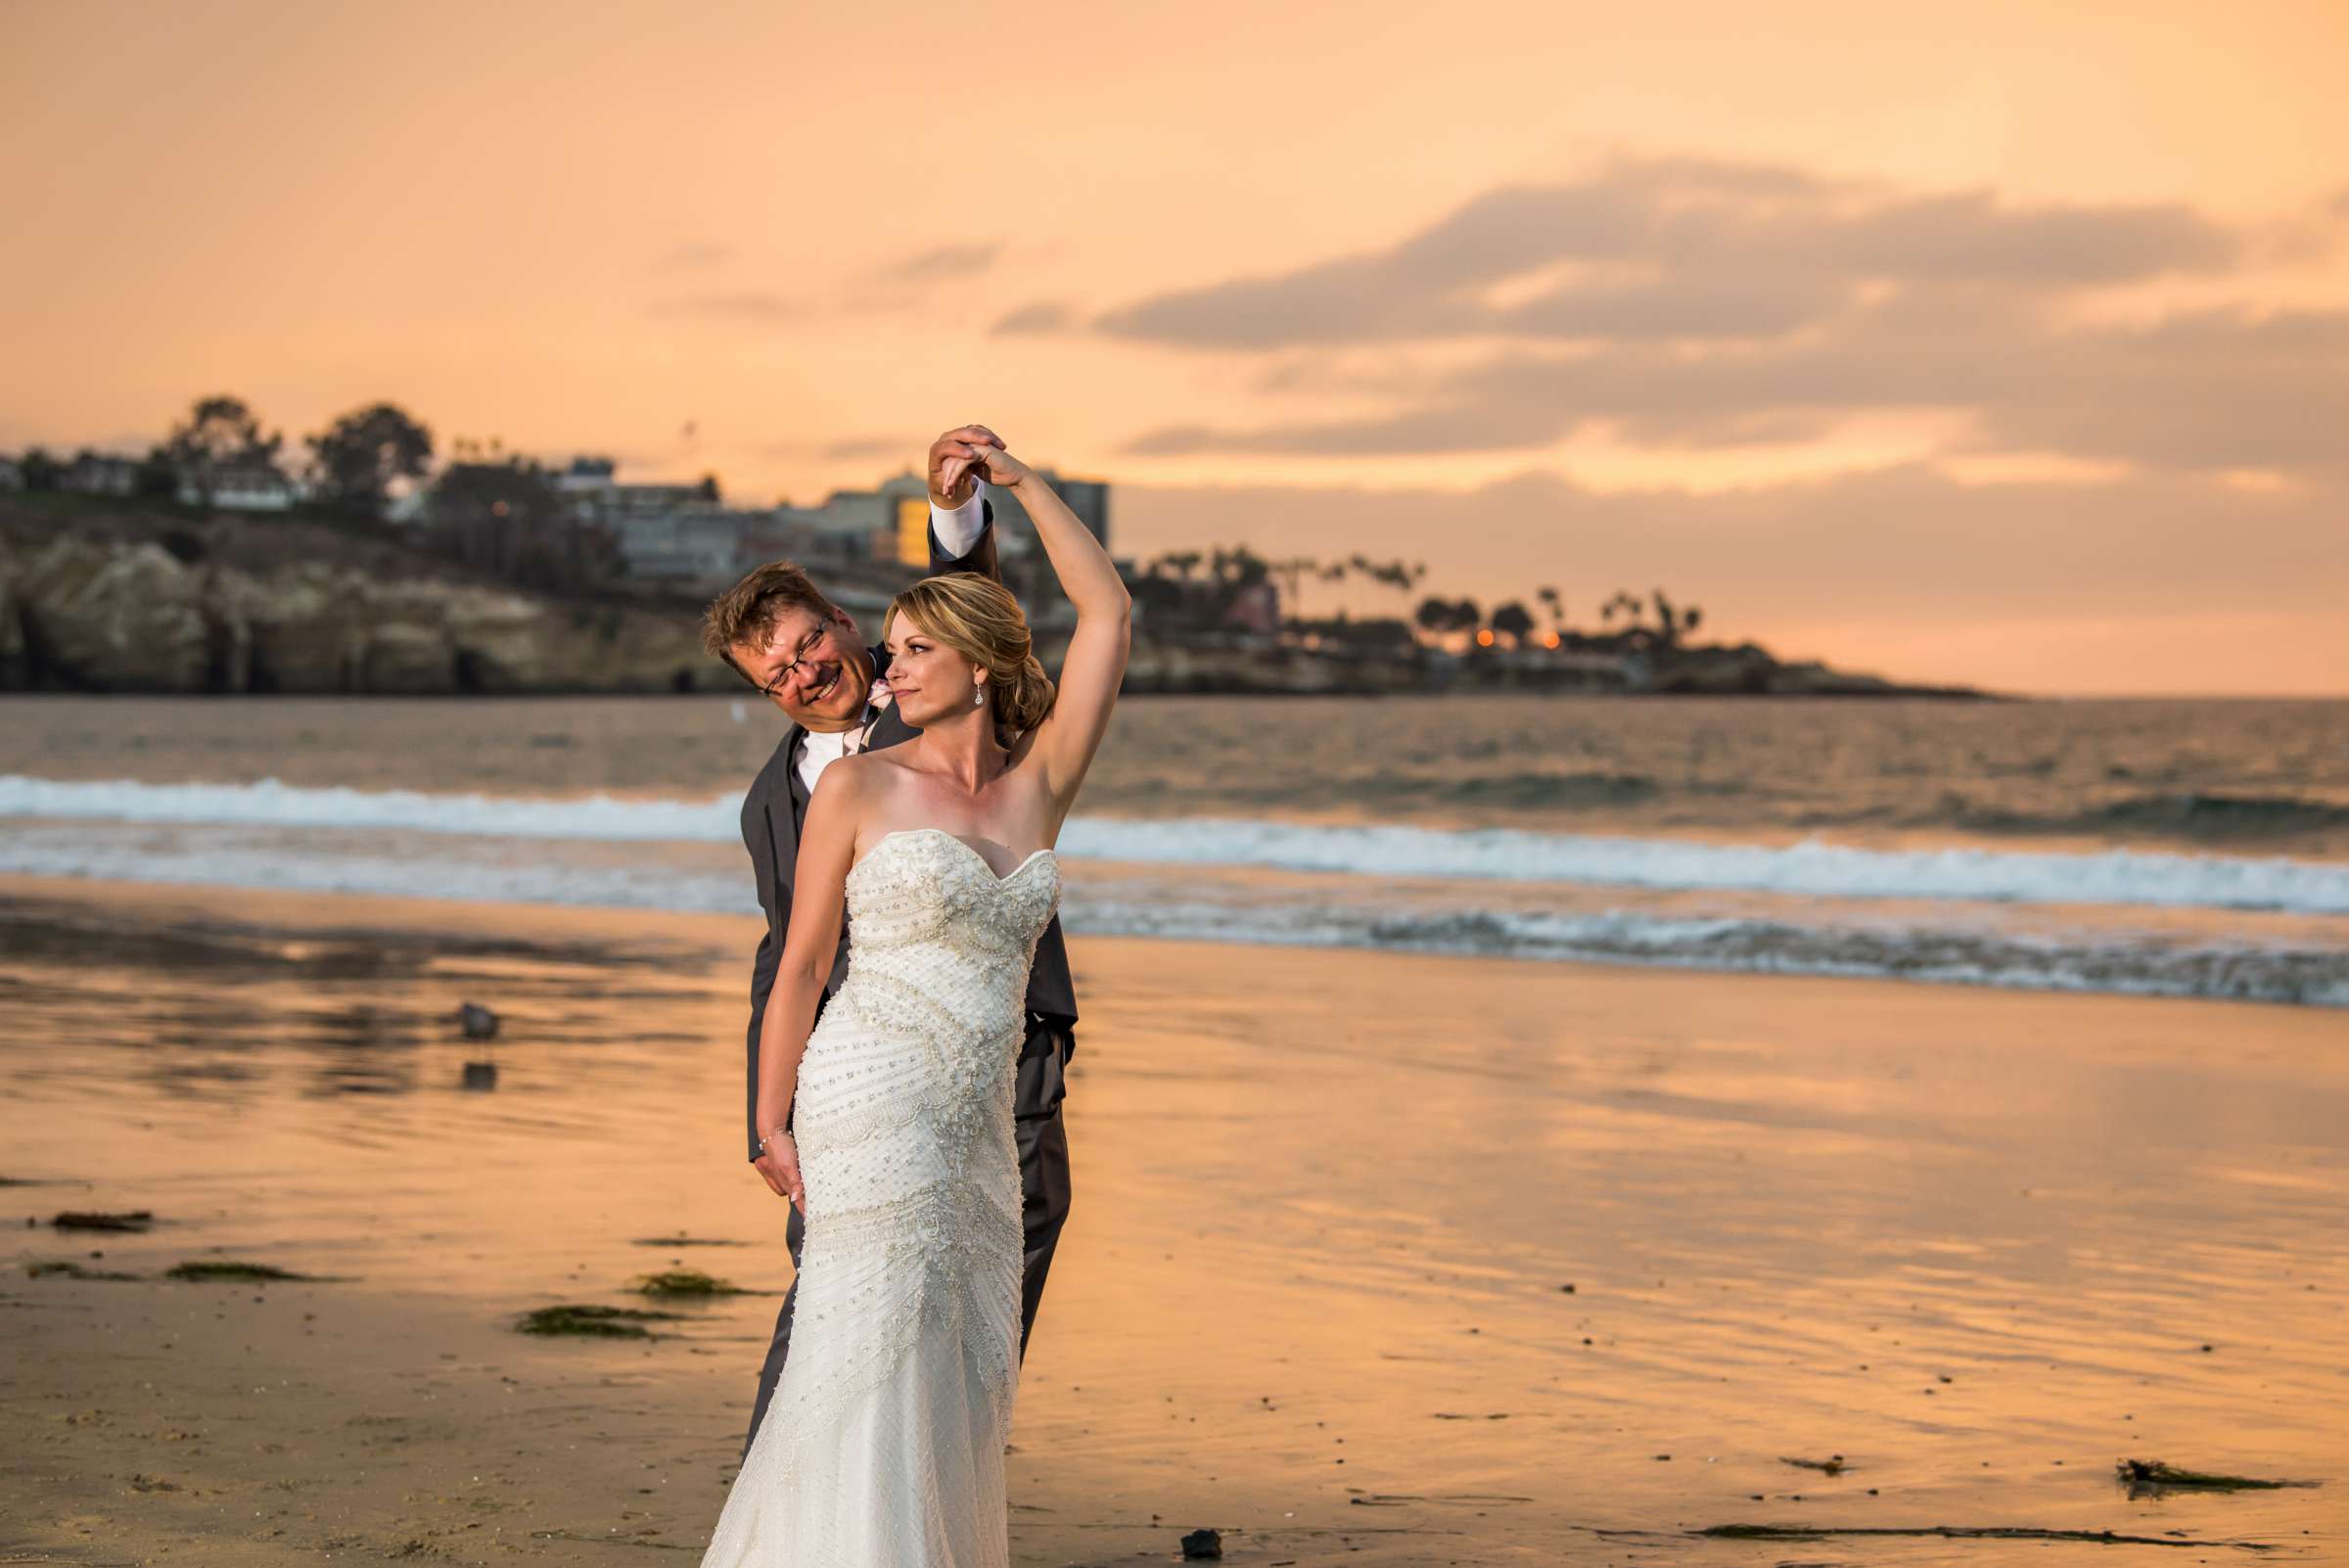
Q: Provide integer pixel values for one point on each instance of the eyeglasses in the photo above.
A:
(798, 657)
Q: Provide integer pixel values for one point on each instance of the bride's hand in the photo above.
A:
(997, 467)
(780, 1165)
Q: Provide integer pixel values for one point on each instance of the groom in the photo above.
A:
(804, 654)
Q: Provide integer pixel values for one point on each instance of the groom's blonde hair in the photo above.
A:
(748, 611)
(977, 618)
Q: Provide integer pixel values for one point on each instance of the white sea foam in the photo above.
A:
(1965, 947)
(271, 804)
(1812, 868)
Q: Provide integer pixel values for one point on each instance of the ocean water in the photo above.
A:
(2181, 848)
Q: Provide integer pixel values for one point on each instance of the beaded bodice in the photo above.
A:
(925, 888)
(938, 950)
(939, 943)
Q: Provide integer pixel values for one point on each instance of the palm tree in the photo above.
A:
(1291, 570)
(1335, 573)
(1556, 606)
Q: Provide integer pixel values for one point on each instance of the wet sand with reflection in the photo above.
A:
(1978, 1244)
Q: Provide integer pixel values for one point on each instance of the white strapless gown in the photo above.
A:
(883, 1444)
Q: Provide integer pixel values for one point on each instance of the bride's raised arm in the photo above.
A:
(1063, 745)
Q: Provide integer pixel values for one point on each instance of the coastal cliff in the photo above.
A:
(126, 601)
(132, 605)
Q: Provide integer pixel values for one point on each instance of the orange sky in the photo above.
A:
(1984, 341)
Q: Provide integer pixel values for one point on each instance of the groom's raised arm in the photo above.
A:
(962, 539)
(962, 520)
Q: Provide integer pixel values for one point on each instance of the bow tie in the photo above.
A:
(861, 736)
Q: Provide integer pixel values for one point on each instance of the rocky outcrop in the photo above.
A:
(125, 617)
(128, 615)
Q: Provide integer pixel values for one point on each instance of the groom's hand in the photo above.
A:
(780, 1166)
(952, 460)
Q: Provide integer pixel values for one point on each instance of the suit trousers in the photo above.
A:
(1044, 1144)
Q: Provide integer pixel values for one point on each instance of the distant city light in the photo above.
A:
(1483, 637)
(1549, 639)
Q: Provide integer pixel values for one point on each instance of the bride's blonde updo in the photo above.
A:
(977, 618)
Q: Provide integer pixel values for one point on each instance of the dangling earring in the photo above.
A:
(978, 696)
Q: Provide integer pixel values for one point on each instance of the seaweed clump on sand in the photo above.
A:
(86, 1219)
(2101, 1538)
(684, 1282)
(67, 1267)
(2151, 1478)
(592, 1322)
(229, 1270)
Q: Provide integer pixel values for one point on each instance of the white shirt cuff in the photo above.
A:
(958, 528)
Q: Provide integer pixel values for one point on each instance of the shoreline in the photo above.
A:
(1312, 1287)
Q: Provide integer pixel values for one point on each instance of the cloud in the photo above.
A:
(946, 262)
(898, 285)
(864, 446)
(1678, 249)
(1686, 304)
(694, 256)
(1905, 540)
(2213, 390)
(743, 305)
(909, 284)
(1045, 316)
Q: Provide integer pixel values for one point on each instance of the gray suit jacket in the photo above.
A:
(771, 814)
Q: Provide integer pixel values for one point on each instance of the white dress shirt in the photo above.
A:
(958, 531)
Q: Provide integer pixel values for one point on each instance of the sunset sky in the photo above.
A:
(1991, 343)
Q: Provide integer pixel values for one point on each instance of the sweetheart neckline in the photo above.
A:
(956, 838)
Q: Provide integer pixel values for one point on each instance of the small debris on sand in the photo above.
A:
(1202, 1544)
(1832, 1464)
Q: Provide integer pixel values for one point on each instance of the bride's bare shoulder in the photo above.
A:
(850, 780)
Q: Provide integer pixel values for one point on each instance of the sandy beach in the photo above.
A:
(1374, 1258)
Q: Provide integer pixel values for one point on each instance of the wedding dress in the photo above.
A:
(883, 1444)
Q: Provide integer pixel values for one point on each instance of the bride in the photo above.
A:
(884, 1445)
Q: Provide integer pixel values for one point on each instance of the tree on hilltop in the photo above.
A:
(219, 437)
(158, 479)
(355, 460)
(507, 519)
(39, 468)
